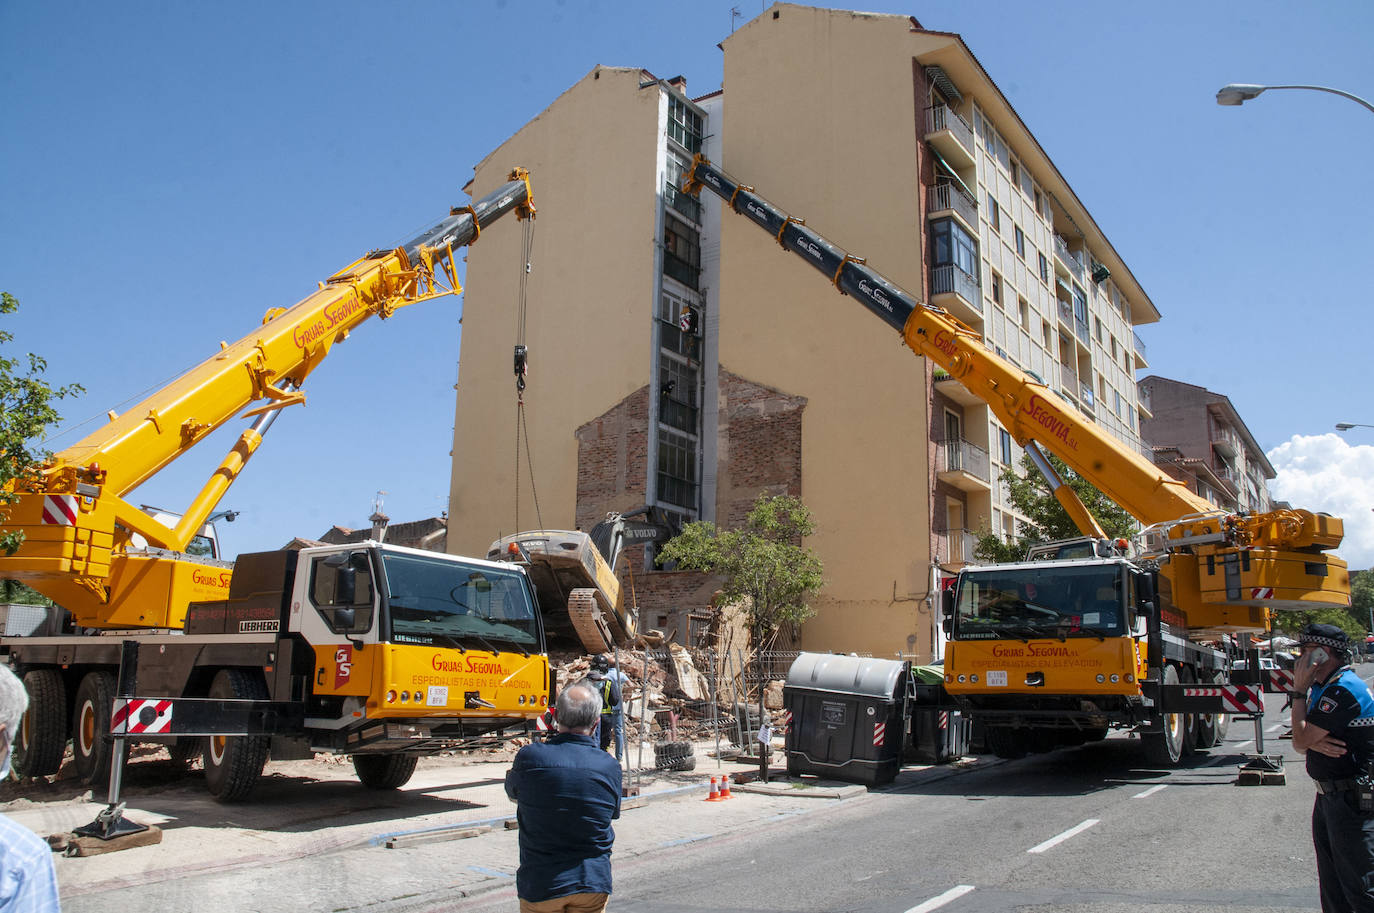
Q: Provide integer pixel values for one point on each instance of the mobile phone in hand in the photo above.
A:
(1315, 657)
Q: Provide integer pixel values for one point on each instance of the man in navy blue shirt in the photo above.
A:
(567, 791)
(1333, 725)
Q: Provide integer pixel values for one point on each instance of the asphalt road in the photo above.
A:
(1085, 830)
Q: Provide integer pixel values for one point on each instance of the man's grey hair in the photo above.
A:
(579, 707)
(14, 700)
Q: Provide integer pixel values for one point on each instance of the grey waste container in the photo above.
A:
(847, 717)
(939, 732)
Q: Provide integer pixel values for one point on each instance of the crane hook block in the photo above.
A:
(522, 358)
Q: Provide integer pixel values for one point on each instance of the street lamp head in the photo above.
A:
(1344, 426)
(1238, 92)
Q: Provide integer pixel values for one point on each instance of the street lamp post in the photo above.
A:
(1346, 426)
(1238, 93)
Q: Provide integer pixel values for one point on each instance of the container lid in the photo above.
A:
(846, 674)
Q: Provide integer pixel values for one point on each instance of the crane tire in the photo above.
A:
(385, 771)
(42, 736)
(674, 756)
(92, 746)
(1212, 727)
(1192, 737)
(1006, 742)
(233, 764)
(1165, 748)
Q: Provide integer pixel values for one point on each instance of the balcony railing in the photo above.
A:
(962, 456)
(957, 544)
(671, 337)
(684, 203)
(1086, 394)
(940, 118)
(1065, 311)
(947, 195)
(677, 268)
(1139, 345)
(1081, 329)
(1068, 380)
(1069, 259)
(952, 279)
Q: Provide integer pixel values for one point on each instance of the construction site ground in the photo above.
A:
(453, 804)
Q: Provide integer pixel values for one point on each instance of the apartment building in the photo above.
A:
(680, 358)
(1198, 437)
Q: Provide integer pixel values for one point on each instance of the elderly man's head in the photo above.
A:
(579, 708)
(14, 700)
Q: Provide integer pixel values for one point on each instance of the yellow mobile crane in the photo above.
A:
(1083, 637)
(370, 650)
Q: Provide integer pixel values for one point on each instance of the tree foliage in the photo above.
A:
(26, 412)
(1354, 620)
(1046, 519)
(764, 562)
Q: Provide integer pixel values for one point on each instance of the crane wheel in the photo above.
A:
(92, 746)
(233, 763)
(42, 736)
(384, 771)
(1165, 747)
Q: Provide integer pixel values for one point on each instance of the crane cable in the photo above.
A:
(521, 373)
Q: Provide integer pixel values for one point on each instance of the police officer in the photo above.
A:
(609, 689)
(1334, 728)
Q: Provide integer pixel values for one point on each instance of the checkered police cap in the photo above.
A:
(1326, 636)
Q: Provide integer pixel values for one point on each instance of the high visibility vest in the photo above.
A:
(606, 697)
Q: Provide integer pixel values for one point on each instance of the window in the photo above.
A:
(1004, 446)
(677, 387)
(996, 289)
(1044, 268)
(684, 124)
(1045, 332)
(954, 246)
(1038, 201)
(1020, 241)
(677, 469)
(1023, 311)
(341, 591)
(994, 216)
(681, 252)
(1015, 172)
(1097, 327)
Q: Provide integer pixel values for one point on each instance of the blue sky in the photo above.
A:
(170, 171)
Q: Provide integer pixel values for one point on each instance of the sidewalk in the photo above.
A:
(447, 808)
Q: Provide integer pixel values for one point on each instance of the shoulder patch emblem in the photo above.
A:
(1327, 705)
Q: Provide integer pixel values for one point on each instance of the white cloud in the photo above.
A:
(1323, 473)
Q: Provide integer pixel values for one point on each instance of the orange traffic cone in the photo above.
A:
(725, 788)
(715, 792)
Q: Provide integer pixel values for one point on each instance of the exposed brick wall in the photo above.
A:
(760, 446)
(612, 455)
(674, 595)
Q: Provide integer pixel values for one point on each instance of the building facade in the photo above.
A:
(1198, 437)
(680, 358)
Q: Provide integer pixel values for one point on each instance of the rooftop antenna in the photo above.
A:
(734, 14)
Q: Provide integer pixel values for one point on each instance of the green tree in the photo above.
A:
(764, 561)
(1046, 519)
(26, 412)
(1354, 620)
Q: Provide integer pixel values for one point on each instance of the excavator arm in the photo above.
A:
(75, 518)
(1229, 569)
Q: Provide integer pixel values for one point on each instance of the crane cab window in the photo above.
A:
(341, 591)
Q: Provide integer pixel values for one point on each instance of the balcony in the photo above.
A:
(1224, 440)
(1228, 475)
(1068, 381)
(963, 465)
(951, 136)
(684, 204)
(1069, 260)
(1080, 329)
(948, 198)
(957, 292)
(948, 386)
(955, 546)
(1140, 361)
(1086, 395)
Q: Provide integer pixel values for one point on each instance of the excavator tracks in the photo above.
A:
(589, 621)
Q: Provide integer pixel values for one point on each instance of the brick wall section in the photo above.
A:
(612, 454)
(760, 446)
(760, 441)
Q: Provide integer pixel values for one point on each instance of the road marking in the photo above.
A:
(936, 903)
(1149, 792)
(1275, 727)
(1239, 745)
(1055, 841)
